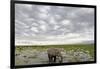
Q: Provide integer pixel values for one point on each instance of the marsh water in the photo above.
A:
(32, 56)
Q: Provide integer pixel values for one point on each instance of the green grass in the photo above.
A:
(83, 47)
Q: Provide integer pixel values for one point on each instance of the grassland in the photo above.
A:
(35, 54)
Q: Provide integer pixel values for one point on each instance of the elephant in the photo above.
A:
(55, 54)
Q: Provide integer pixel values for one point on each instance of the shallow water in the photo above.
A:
(32, 57)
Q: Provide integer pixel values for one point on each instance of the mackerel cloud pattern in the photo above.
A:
(43, 23)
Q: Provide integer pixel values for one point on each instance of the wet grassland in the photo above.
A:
(37, 54)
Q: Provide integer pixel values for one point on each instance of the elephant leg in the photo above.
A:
(50, 58)
(54, 58)
(61, 59)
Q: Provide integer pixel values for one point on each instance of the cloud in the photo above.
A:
(54, 23)
(65, 22)
(34, 29)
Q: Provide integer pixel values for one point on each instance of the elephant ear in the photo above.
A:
(63, 52)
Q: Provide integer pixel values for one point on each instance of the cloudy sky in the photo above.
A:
(39, 24)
